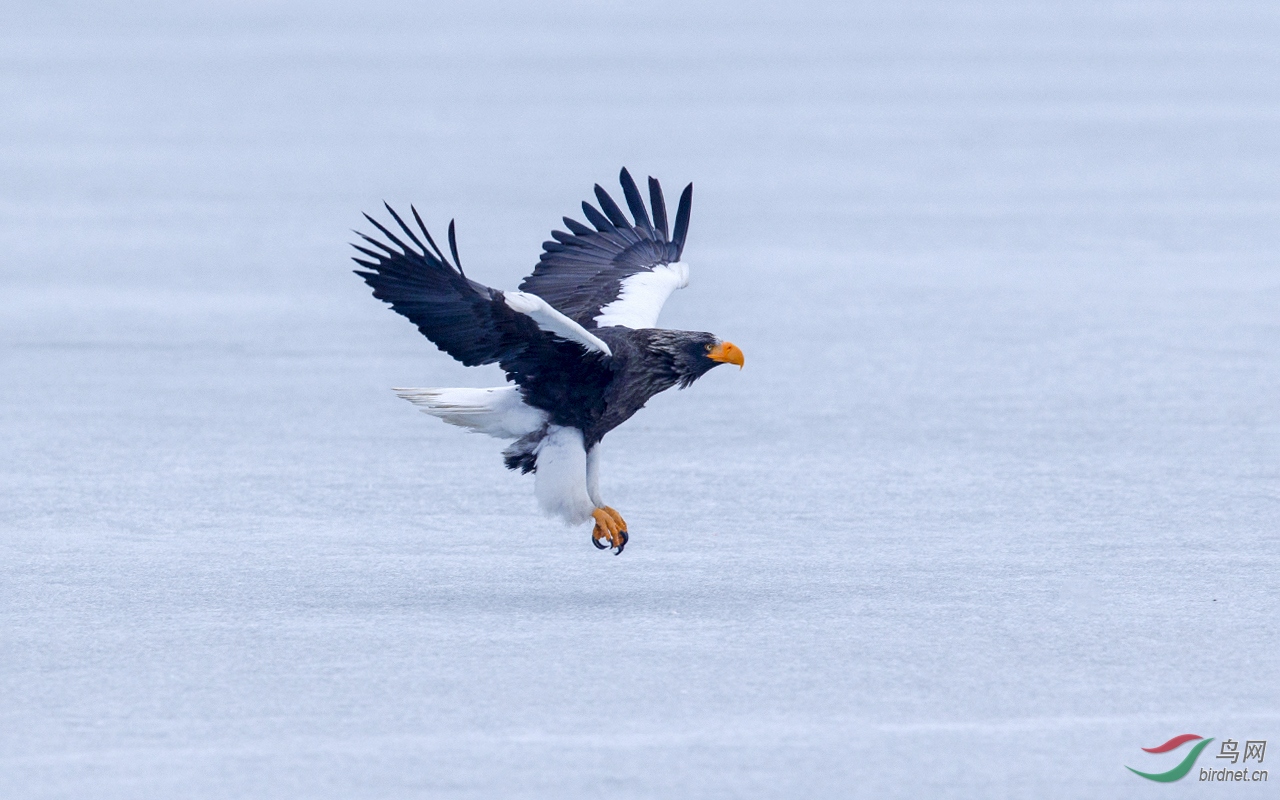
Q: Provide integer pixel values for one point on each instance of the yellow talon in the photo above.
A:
(622, 523)
(609, 527)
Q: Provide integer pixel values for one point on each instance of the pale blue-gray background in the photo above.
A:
(994, 504)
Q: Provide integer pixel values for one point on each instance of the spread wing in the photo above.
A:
(622, 272)
(468, 320)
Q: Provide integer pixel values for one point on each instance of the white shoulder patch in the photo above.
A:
(642, 295)
(553, 321)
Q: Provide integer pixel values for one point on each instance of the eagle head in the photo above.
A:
(697, 352)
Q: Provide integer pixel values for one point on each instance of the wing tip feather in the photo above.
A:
(682, 219)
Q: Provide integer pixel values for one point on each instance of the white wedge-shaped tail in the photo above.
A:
(498, 412)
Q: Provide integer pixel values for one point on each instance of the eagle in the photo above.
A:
(578, 341)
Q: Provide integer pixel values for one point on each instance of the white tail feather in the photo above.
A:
(499, 412)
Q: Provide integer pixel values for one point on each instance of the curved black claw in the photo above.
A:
(625, 539)
(596, 542)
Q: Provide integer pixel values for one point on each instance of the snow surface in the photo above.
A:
(994, 504)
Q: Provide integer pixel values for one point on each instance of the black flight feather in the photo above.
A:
(368, 252)
(635, 203)
(659, 208)
(576, 227)
(427, 234)
(404, 227)
(596, 218)
(611, 209)
(682, 219)
(403, 247)
(453, 248)
(376, 243)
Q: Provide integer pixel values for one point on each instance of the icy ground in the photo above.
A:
(994, 504)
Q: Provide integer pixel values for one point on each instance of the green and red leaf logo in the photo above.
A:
(1180, 771)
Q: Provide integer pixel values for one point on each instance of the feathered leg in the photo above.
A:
(566, 486)
(610, 526)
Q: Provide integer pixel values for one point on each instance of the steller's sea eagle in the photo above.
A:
(578, 341)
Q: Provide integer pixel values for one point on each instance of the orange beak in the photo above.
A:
(726, 353)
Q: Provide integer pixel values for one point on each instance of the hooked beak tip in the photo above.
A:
(727, 353)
